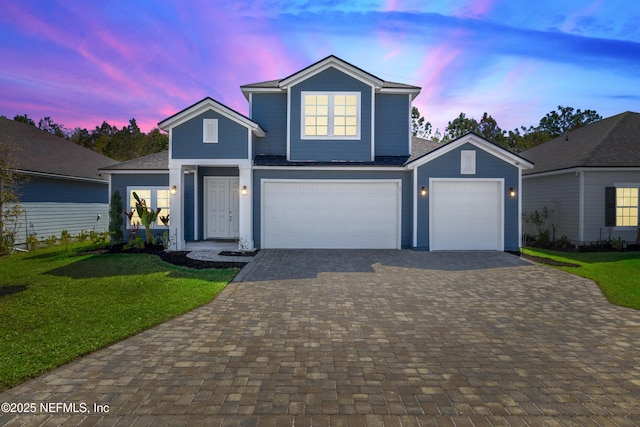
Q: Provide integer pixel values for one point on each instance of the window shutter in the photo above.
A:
(610, 206)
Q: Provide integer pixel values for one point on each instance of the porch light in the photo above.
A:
(512, 192)
(244, 190)
(423, 191)
(173, 190)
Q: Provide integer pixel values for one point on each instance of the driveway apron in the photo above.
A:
(365, 338)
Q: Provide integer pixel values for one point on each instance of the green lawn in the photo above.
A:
(617, 273)
(76, 302)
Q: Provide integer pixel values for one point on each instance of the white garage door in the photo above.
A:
(466, 215)
(331, 214)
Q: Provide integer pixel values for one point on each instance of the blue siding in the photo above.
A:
(327, 150)
(487, 166)
(121, 182)
(270, 111)
(189, 206)
(40, 189)
(392, 125)
(407, 191)
(187, 139)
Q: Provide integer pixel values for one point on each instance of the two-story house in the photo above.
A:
(326, 159)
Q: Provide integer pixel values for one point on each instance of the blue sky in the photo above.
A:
(84, 62)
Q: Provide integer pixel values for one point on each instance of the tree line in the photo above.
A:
(126, 143)
(130, 142)
(552, 125)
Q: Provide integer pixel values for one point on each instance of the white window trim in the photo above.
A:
(153, 204)
(207, 137)
(627, 185)
(330, 135)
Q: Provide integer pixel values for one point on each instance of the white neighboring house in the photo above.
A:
(589, 179)
(64, 189)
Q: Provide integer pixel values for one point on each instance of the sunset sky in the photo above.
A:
(83, 62)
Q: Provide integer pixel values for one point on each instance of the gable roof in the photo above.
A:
(469, 138)
(152, 162)
(611, 142)
(209, 103)
(38, 152)
(330, 61)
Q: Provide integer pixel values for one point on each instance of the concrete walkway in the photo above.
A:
(367, 338)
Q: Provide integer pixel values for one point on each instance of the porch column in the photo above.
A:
(246, 207)
(175, 200)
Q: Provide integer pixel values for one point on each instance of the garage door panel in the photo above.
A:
(330, 214)
(466, 215)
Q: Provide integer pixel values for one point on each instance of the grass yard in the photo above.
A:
(617, 273)
(60, 303)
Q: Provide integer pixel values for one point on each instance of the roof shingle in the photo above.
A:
(41, 152)
(611, 142)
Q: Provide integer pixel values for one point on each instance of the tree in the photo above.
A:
(24, 119)
(489, 129)
(420, 127)
(10, 210)
(565, 120)
(115, 217)
(52, 127)
(458, 127)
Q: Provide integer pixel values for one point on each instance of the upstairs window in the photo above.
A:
(330, 115)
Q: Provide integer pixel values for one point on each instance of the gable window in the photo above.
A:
(154, 197)
(210, 130)
(330, 115)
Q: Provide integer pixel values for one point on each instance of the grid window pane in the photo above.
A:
(627, 207)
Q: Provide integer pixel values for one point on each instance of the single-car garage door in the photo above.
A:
(466, 215)
(331, 214)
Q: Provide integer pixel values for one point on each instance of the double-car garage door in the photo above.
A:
(331, 214)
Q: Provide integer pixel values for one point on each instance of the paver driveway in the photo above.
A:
(368, 338)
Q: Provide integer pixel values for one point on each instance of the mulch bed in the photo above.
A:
(549, 261)
(177, 257)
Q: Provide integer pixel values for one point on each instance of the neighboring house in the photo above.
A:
(64, 190)
(326, 160)
(589, 180)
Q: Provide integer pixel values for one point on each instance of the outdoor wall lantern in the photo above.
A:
(244, 190)
(423, 191)
(512, 192)
(173, 190)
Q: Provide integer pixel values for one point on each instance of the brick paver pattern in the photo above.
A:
(370, 338)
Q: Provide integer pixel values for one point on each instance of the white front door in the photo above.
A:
(221, 207)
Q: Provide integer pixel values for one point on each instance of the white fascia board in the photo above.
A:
(333, 168)
(139, 172)
(581, 169)
(210, 104)
(57, 176)
(247, 92)
(335, 63)
(479, 143)
(175, 163)
(412, 92)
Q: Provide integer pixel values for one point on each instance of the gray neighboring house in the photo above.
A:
(589, 178)
(325, 160)
(64, 190)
